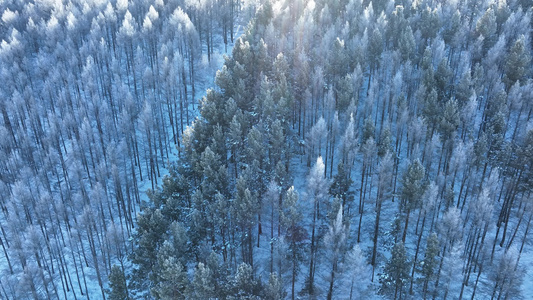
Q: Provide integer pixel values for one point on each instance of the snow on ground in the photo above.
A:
(205, 80)
(526, 262)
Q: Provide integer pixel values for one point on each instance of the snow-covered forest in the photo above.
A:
(349, 149)
(95, 98)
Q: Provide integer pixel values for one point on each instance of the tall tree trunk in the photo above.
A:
(375, 239)
(312, 256)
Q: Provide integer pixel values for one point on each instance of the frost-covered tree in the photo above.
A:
(413, 187)
(98, 96)
(356, 272)
(245, 210)
(517, 64)
(429, 267)
(274, 288)
(290, 219)
(349, 145)
(449, 270)
(396, 273)
(506, 275)
(384, 190)
(341, 185)
(317, 187)
(450, 232)
(335, 241)
(369, 151)
(202, 285)
(243, 285)
(428, 210)
(173, 280)
(316, 138)
(118, 289)
(482, 209)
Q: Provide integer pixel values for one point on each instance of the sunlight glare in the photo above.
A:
(277, 8)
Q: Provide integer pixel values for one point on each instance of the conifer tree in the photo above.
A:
(202, 285)
(290, 218)
(244, 286)
(517, 65)
(412, 190)
(396, 273)
(506, 275)
(356, 272)
(430, 262)
(340, 186)
(274, 288)
(317, 186)
(335, 241)
(118, 289)
(172, 280)
(245, 208)
(384, 188)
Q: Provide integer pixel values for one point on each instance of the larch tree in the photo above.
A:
(290, 219)
(506, 275)
(317, 187)
(335, 240)
(315, 139)
(96, 94)
(340, 187)
(450, 232)
(243, 285)
(449, 270)
(369, 151)
(274, 288)
(385, 172)
(481, 209)
(356, 272)
(428, 210)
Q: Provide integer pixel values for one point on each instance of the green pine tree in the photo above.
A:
(430, 262)
(517, 65)
(118, 289)
(203, 285)
(396, 273)
(412, 190)
(172, 280)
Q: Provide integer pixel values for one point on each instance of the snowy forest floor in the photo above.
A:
(300, 172)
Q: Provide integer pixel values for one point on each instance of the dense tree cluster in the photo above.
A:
(380, 143)
(349, 148)
(95, 96)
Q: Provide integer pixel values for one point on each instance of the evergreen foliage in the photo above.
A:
(120, 178)
(396, 273)
(118, 289)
